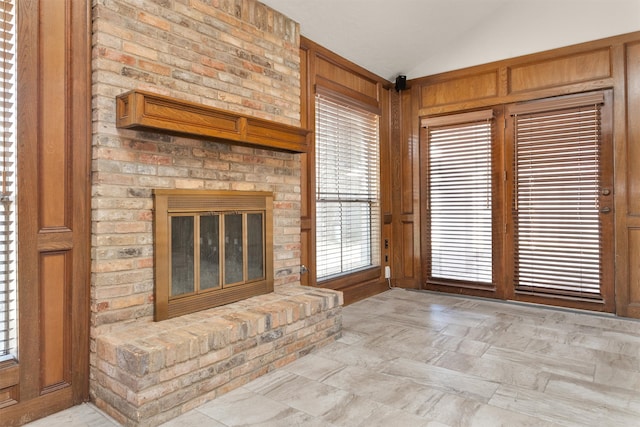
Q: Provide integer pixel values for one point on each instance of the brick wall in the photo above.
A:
(233, 54)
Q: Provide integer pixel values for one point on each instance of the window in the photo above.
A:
(8, 284)
(347, 189)
(212, 248)
(459, 206)
(556, 198)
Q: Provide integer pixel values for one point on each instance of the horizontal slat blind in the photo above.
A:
(556, 201)
(347, 188)
(460, 203)
(8, 291)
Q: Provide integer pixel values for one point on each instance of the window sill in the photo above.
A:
(360, 276)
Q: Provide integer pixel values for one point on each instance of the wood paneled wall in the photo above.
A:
(627, 179)
(53, 135)
(612, 63)
(405, 202)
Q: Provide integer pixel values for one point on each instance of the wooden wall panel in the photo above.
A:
(386, 189)
(406, 214)
(307, 173)
(460, 89)
(53, 311)
(408, 255)
(305, 243)
(634, 267)
(627, 187)
(53, 154)
(633, 132)
(408, 170)
(581, 67)
(348, 78)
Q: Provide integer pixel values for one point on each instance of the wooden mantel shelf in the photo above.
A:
(148, 111)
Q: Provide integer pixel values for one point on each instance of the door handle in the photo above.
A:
(605, 209)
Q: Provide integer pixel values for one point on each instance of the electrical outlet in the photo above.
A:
(387, 272)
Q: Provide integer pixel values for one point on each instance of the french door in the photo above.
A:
(561, 201)
(548, 192)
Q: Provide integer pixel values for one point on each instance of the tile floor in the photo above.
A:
(410, 358)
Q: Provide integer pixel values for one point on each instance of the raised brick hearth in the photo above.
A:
(150, 373)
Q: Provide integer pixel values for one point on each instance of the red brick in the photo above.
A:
(116, 56)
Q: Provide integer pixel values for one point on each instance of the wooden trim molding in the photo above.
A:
(140, 110)
(450, 119)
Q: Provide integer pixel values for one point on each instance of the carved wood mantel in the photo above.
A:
(141, 110)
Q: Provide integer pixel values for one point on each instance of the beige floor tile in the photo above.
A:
(445, 380)
(412, 358)
(573, 368)
(193, 419)
(565, 410)
(314, 367)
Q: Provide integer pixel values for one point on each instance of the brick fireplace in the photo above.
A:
(235, 55)
(239, 56)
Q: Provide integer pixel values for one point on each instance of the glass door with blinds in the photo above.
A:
(517, 202)
(459, 202)
(561, 201)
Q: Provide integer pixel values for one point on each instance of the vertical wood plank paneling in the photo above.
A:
(27, 212)
(53, 153)
(78, 31)
(53, 310)
(408, 255)
(405, 184)
(307, 172)
(386, 189)
(627, 186)
(304, 122)
(408, 163)
(634, 268)
(633, 131)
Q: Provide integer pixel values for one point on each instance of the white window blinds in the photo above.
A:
(556, 202)
(347, 189)
(8, 291)
(459, 198)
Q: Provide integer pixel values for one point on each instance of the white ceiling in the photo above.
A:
(423, 37)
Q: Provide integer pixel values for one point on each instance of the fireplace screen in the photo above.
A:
(196, 262)
(212, 248)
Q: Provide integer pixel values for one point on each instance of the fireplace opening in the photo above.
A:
(211, 248)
